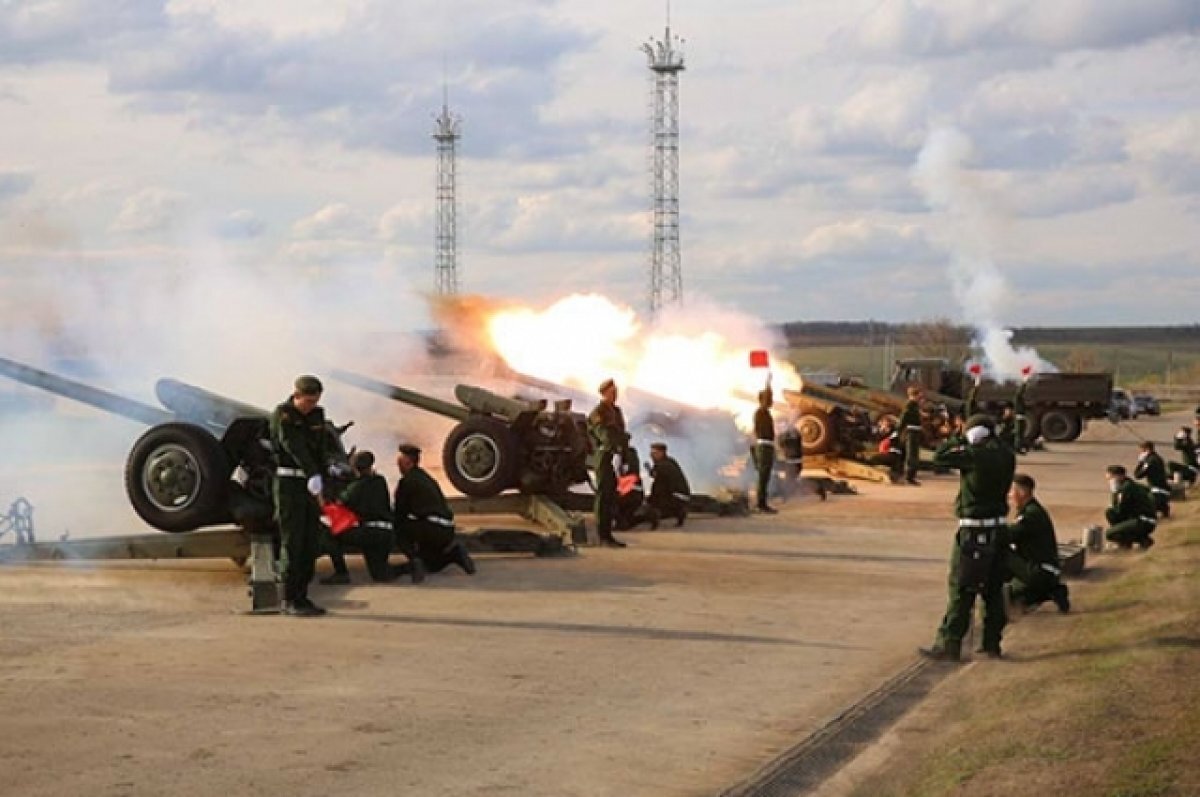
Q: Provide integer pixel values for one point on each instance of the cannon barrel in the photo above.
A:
(396, 393)
(481, 400)
(85, 394)
(202, 407)
(643, 400)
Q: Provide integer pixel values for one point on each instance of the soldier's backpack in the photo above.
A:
(977, 551)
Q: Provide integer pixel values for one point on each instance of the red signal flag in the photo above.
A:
(976, 369)
(759, 358)
(1027, 370)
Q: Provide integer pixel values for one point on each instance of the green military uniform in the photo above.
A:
(1032, 557)
(763, 452)
(1020, 420)
(670, 492)
(606, 428)
(1131, 516)
(1152, 468)
(971, 404)
(367, 497)
(910, 427)
(1189, 469)
(985, 474)
(424, 522)
(300, 446)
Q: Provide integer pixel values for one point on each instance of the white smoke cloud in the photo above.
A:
(973, 225)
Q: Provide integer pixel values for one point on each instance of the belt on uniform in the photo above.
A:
(1051, 569)
(980, 523)
(682, 496)
(913, 428)
(441, 521)
(378, 524)
(293, 473)
(1150, 520)
(1160, 490)
(764, 442)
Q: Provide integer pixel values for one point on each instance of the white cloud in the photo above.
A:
(241, 225)
(333, 221)
(1170, 151)
(149, 210)
(863, 240)
(886, 116)
(14, 184)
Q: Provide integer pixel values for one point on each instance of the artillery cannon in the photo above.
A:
(179, 473)
(499, 443)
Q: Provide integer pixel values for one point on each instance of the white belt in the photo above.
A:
(1051, 569)
(441, 521)
(682, 496)
(764, 442)
(1150, 520)
(981, 523)
(1160, 491)
(913, 428)
(379, 524)
(294, 473)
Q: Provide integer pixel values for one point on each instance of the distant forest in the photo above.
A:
(859, 333)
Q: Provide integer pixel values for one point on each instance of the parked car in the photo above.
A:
(1146, 404)
(1121, 406)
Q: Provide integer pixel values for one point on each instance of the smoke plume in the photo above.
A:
(973, 226)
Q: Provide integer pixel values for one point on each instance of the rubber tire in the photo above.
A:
(503, 443)
(209, 504)
(816, 431)
(1060, 426)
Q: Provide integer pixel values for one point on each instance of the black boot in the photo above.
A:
(936, 653)
(609, 541)
(1062, 598)
(461, 557)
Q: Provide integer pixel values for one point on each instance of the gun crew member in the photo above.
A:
(367, 496)
(1131, 515)
(910, 427)
(423, 521)
(986, 467)
(298, 435)
(606, 428)
(1189, 469)
(763, 449)
(670, 492)
(1150, 466)
(1032, 559)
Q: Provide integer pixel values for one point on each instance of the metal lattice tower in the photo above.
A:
(666, 273)
(447, 132)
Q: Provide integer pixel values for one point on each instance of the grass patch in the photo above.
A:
(1105, 701)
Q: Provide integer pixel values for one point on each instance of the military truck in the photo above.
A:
(1056, 404)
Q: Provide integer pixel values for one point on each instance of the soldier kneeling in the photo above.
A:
(1131, 516)
(424, 522)
(1031, 555)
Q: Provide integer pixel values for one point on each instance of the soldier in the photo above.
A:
(986, 469)
(1031, 559)
(1020, 419)
(423, 521)
(298, 435)
(368, 498)
(606, 428)
(1150, 467)
(1131, 516)
(889, 451)
(1189, 469)
(910, 428)
(763, 450)
(631, 495)
(670, 491)
(1006, 427)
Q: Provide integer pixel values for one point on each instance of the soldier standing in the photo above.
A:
(368, 498)
(910, 427)
(764, 447)
(1032, 559)
(1131, 515)
(423, 521)
(1020, 420)
(298, 435)
(986, 468)
(1151, 467)
(606, 428)
(670, 492)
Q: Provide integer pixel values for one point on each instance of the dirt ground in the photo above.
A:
(675, 667)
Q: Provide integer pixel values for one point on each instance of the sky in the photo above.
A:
(141, 139)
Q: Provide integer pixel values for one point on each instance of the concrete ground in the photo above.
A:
(675, 667)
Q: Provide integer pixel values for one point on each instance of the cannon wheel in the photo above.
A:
(816, 431)
(176, 477)
(480, 457)
(1060, 426)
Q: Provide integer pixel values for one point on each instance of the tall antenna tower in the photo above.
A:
(447, 131)
(666, 274)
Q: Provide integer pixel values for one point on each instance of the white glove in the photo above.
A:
(315, 484)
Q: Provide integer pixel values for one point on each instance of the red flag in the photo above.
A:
(1027, 370)
(976, 369)
(341, 517)
(759, 358)
(627, 483)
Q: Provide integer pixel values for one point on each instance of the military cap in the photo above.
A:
(979, 419)
(363, 460)
(658, 446)
(409, 450)
(605, 385)
(1115, 470)
(309, 385)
